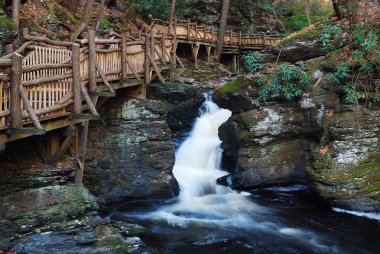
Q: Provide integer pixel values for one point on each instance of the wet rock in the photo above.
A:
(183, 103)
(345, 169)
(306, 45)
(8, 32)
(130, 152)
(238, 95)
(276, 163)
(50, 204)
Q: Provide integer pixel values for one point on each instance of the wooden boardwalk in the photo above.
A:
(48, 85)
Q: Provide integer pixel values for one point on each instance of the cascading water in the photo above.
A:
(207, 210)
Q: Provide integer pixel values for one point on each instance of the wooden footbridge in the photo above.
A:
(51, 89)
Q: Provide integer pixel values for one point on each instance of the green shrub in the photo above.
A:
(357, 70)
(151, 8)
(251, 62)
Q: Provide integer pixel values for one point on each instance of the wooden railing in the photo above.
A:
(45, 79)
(192, 32)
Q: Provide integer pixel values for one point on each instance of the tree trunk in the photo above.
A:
(307, 7)
(337, 10)
(72, 5)
(86, 17)
(222, 29)
(172, 9)
(101, 13)
(353, 7)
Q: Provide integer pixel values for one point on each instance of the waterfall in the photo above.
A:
(197, 164)
(202, 203)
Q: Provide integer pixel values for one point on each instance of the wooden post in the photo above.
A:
(16, 12)
(196, 31)
(188, 29)
(52, 147)
(140, 35)
(147, 71)
(91, 60)
(83, 132)
(208, 48)
(124, 71)
(195, 50)
(235, 63)
(15, 101)
(212, 34)
(164, 47)
(239, 39)
(174, 47)
(75, 57)
(263, 40)
(152, 44)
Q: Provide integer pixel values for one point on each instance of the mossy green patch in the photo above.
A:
(7, 22)
(237, 85)
(366, 175)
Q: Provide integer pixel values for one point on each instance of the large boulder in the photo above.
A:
(28, 209)
(346, 168)
(130, 154)
(183, 103)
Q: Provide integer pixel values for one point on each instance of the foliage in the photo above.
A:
(104, 23)
(293, 14)
(150, 8)
(251, 62)
(358, 68)
(287, 81)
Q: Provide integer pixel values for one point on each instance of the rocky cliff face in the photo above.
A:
(244, 15)
(318, 139)
(130, 154)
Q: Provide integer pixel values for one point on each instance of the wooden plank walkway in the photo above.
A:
(47, 85)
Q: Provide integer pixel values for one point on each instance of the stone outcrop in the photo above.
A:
(337, 145)
(346, 168)
(183, 102)
(130, 154)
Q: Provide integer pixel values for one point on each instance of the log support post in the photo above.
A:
(124, 70)
(91, 60)
(76, 79)
(235, 63)
(263, 40)
(15, 100)
(52, 147)
(81, 156)
(208, 48)
(195, 51)
(188, 29)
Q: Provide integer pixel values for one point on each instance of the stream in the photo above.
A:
(210, 218)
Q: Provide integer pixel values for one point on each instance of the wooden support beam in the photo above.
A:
(208, 49)
(263, 40)
(88, 100)
(91, 60)
(137, 76)
(68, 131)
(195, 51)
(163, 47)
(76, 79)
(52, 147)
(103, 94)
(104, 78)
(81, 156)
(61, 150)
(41, 149)
(15, 103)
(26, 131)
(31, 113)
(155, 67)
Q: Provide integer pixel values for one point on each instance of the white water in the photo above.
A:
(203, 202)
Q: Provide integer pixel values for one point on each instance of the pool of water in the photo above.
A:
(293, 221)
